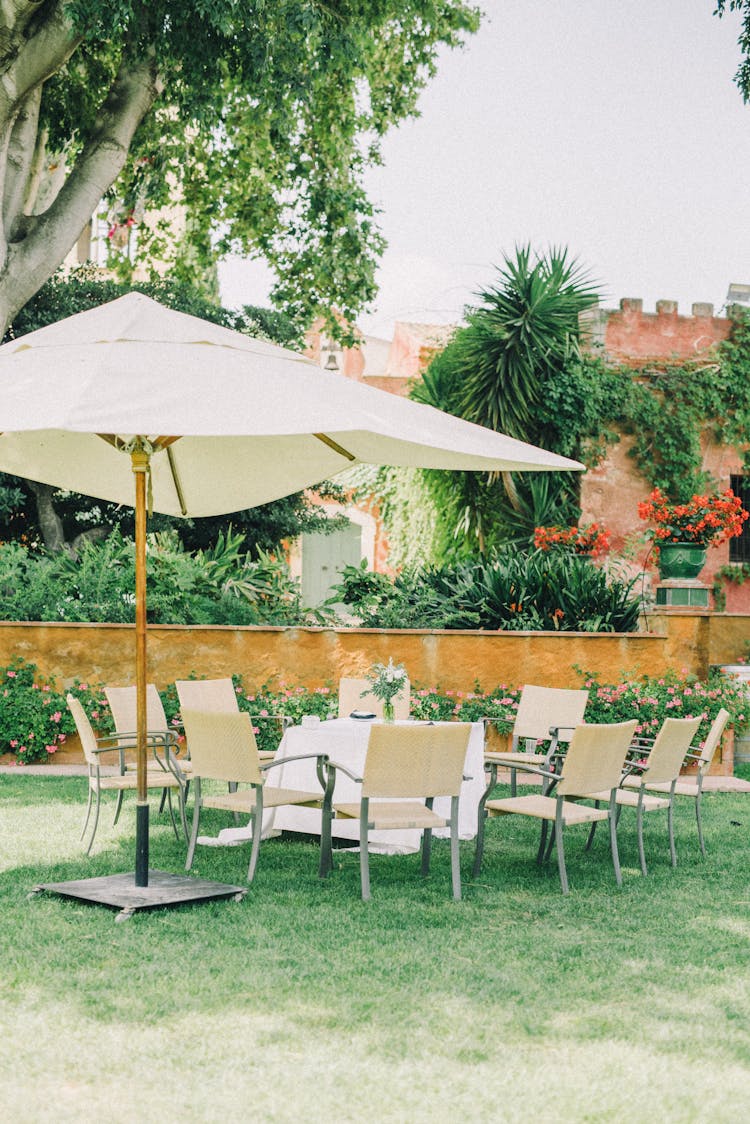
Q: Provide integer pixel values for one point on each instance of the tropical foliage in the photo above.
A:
(497, 371)
(221, 585)
(541, 590)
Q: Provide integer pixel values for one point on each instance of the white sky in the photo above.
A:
(612, 127)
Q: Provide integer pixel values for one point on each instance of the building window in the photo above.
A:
(739, 547)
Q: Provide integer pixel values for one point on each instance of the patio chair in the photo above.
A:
(692, 787)
(158, 776)
(354, 695)
(594, 762)
(223, 749)
(218, 696)
(406, 767)
(666, 755)
(123, 705)
(545, 716)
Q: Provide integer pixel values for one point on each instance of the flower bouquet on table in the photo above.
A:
(386, 681)
(592, 539)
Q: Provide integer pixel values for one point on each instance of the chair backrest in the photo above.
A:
(713, 737)
(539, 708)
(416, 761)
(595, 758)
(669, 749)
(84, 730)
(215, 695)
(222, 746)
(353, 695)
(122, 703)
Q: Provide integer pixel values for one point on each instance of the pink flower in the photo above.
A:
(12, 674)
(51, 748)
(13, 743)
(56, 716)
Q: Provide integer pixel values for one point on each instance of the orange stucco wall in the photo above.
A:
(318, 657)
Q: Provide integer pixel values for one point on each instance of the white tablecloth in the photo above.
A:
(345, 740)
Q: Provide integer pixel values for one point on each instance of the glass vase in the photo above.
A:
(388, 713)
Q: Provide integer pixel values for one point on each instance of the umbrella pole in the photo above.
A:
(140, 464)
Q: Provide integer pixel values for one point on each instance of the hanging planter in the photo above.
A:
(681, 560)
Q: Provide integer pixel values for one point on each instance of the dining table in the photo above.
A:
(344, 741)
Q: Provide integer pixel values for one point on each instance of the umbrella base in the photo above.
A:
(119, 891)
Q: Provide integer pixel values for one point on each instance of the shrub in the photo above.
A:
(651, 699)
(34, 719)
(541, 590)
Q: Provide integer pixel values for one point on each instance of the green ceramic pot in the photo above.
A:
(681, 560)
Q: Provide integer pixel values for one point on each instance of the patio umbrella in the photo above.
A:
(138, 404)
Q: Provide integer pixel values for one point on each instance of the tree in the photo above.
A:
(742, 77)
(504, 370)
(39, 514)
(257, 119)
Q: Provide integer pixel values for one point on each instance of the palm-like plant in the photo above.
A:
(496, 372)
(523, 332)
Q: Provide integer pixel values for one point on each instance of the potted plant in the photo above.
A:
(683, 532)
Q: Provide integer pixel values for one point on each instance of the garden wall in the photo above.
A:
(319, 656)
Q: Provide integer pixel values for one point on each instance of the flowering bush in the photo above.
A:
(652, 699)
(34, 719)
(593, 539)
(704, 521)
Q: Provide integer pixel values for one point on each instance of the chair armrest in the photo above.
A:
(693, 756)
(343, 769)
(297, 757)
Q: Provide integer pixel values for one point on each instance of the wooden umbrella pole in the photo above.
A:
(140, 463)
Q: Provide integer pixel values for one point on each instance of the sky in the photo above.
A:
(611, 127)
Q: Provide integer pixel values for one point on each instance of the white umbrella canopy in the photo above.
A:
(255, 422)
(213, 422)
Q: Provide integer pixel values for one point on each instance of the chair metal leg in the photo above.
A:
(426, 844)
(482, 820)
(670, 824)
(426, 851)
(328, 781)
(513, 782)
(196, 818)
(550, 844)
(700, 825)
(88, 812)
(592, 830)
(613, 818)
(455, 853)
(256, 822)
(118, 807)
(168, 793)
(96, 819)
(163, 800)
(364, 856)
(558, 836)
(639, 820)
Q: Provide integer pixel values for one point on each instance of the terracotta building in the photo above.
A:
(610, 492)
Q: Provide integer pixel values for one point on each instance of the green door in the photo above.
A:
(323, 556)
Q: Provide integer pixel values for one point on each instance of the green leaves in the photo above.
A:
(536, 591)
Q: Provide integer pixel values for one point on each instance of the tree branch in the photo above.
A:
(50, 236)
(20, 157)
(27, 62)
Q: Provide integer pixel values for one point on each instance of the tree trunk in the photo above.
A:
(50, 523)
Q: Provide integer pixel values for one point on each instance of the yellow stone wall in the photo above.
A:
(318, 657)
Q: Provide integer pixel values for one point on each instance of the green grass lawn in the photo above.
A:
(302, 1003)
